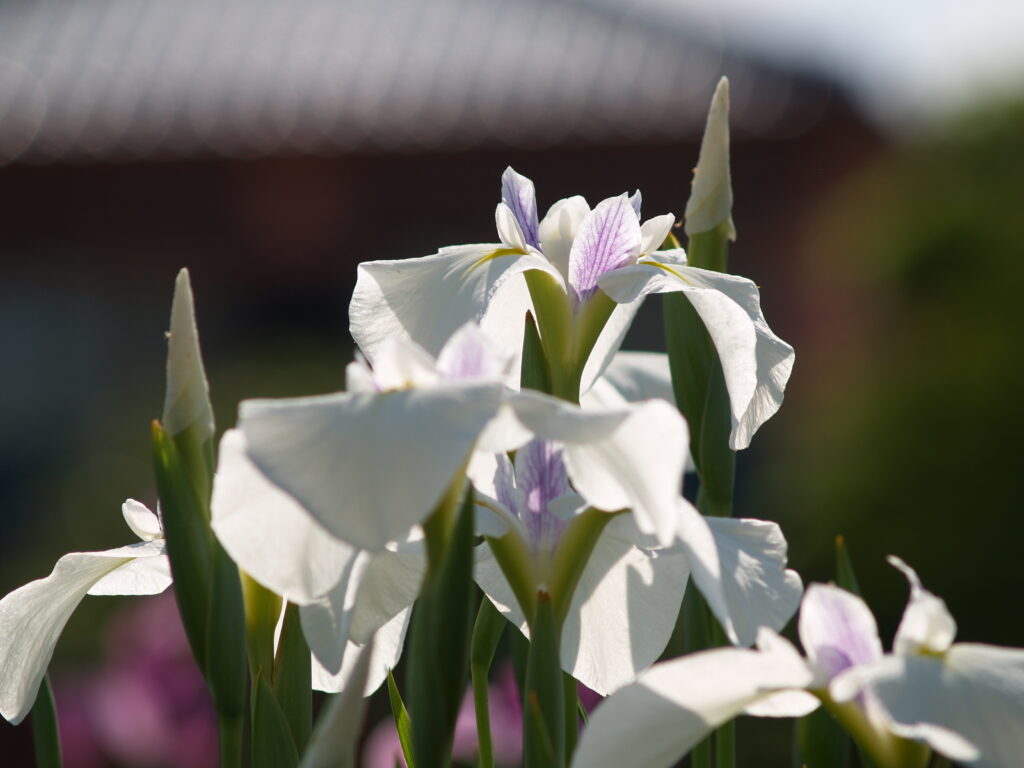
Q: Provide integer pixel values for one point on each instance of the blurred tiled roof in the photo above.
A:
(165, 78)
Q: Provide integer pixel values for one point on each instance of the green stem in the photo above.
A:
(544, 715)
(486, 634)
(230, 730)
(45, 733)
(516, 564)
(572, 718)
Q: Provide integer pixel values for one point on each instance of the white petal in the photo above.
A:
(148, 574)
(655, 721)
(608, 342)
(368, 467)
(755, 362)
(143, 523)
(509, 231)
(837, 631)
(710, 202)
(654, 231)
(401, 363)
(187, 400)
(637, 376)
(623, 611)
(333, 743)
(927, 625)
(387, 650)
(558, 230)
(759, 590)
(493, 480)
(968, 702)
(389, 586)
(268, 534)
(33, 616)
(428, 299)
(469, 355)
(327, 620)
(621, 459)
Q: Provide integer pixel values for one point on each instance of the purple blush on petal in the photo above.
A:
(517, 192)
(844, 633)
(609, 238)
(542, 478)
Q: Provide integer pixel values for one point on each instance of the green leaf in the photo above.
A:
(402, 723)
(544, 716)
(845, 576)
(225, 640)
(487, 632)
(45, 734)
(822, 742)
(439, 666)
(533, 372)
(293, 685)
(272, 743)
(189, 542)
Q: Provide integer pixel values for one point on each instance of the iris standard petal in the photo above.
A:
(608, 238)
(368, 467)
(518, 193)
(837, 631)
(559, 228)
(267, 532)
(927, 625)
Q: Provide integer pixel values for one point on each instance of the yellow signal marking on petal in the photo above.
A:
(670, 271)
(495, 254)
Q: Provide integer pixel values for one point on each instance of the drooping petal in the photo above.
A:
(268, 533)
(187, 401)
(622, 613)
(759, 590)
(658, 719)
(142, 522)
(927, 626)
(148, 574)
(558, 230)
(710, 202)
(756, 363)
(389, 586)
(618, 459)
(368, 467)
(967, 704)
(430, 298)
(33, 616)
(518, 193)
(326, 621)
(837, 631)
(608, 238)
(387, 650)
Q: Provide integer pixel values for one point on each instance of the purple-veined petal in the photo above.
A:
(837, 630)
(541, 478)
(608, 239)
(428, 299)
(926, 626)
(636, 200)
(517, 192)
(496, 495)
(558, 230)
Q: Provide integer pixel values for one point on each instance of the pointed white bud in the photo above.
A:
(188, 395)
(710, 202)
